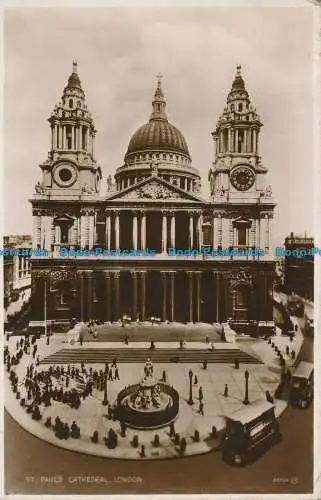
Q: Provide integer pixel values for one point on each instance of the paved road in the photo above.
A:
(33, 466)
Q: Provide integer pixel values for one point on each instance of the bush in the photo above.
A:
(196, 436)
(182, 446)
(135, 441)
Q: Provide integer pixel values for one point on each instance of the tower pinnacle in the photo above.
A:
(159, 102)
(74, 66)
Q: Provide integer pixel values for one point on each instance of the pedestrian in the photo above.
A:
(117, 373)
(201, 408)
(164, 376)
(110, 374)
(236, 364)
(293, 354)
(226, 391)
(200, 394)
(195, 380)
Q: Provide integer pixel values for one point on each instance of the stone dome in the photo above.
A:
(158, 134)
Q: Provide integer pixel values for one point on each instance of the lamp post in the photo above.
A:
(246, 398)
(190, 400)
(105, 400)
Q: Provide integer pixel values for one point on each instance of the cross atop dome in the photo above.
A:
(74, 66)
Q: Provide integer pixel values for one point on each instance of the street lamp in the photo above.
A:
(105, 400)
(190, 400)
(246, 399)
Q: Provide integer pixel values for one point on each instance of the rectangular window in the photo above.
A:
(241, 236)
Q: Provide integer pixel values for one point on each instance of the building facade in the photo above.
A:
(154, 203)
(16, 268)
(298, 269)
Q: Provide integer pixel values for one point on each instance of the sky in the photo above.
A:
(119, 53)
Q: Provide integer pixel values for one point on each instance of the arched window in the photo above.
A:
(78, 104)
(70, 103)
(240, 106)
(232, 107)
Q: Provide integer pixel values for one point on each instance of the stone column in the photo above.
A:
(172, 229)
(164, 281)
(117, 294)
(217, 296)
(134, 291)
(164, 233)
(190, 295)
(143, 231)
(57, 234)
(143, 295)
(116, 230)
(72, 138)
(82, 296)
(198, 276)
(90, 298)
(108, 230)
(108, 295)
(135, 231)
(254, 141)
(191, 229)
(236, 140)
(199, 231)
(64, 137)
(172, 295)
(83, 230)
(245, 142)
(220, 231)
(91, 219)
(214, 232)
(80, 137)
(271, 234)
(267, 234)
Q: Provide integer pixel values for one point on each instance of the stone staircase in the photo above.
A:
(159, 355)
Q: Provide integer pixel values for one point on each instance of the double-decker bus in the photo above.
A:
(250, 431)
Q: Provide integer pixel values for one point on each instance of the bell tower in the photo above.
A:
(237, 178)
(71, 169)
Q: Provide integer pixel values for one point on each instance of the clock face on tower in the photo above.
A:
(65, 174)
(242, 178)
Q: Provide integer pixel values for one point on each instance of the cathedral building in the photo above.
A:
(153, 204)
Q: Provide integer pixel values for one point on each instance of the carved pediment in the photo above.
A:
(154, 189)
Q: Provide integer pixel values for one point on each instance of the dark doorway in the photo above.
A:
(126, 231)
(154, 231)
(154, 294)
(125, 293)
(181, 313)
(182, 229)
(208, 298)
